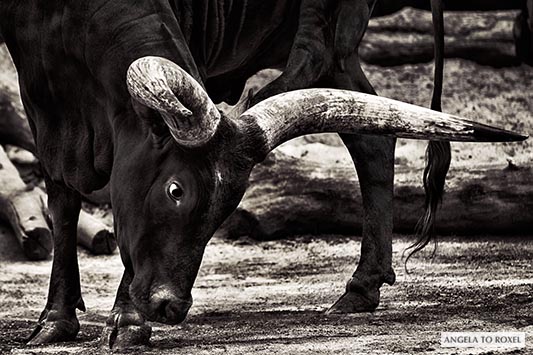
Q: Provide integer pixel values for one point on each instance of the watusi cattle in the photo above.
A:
(124, 93)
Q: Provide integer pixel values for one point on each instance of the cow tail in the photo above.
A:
(438, 153)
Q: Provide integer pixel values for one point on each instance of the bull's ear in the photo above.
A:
(151, 119)
(186, 109)
(244, 104)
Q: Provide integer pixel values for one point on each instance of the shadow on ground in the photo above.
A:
(270, 297)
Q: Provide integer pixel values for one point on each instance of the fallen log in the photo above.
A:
(93, 234)
(406, 37)
(22, 207)
(386, 7)
(290, 195)
(400, 48)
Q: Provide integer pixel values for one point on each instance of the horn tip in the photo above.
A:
(490, 134)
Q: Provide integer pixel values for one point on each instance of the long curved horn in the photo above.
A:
(191, 116)
(288, 115)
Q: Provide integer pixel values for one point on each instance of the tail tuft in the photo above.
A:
(438, 158)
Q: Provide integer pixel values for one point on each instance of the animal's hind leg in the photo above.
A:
(58, 321)
(125, 326)
(373, 157)
(313, 62)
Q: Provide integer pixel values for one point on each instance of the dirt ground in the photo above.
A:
(270, 297)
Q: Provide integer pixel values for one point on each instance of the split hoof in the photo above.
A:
(353, 302)
(122, 338)
(55, 332)
(125, 330)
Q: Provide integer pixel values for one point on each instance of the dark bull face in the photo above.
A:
(167, 203)
(175, 183)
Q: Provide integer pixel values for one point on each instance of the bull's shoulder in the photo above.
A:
(74, 145)
(66, 110)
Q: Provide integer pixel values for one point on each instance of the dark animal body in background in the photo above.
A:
(114, 92)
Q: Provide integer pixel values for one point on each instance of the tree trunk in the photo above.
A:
(288, 195)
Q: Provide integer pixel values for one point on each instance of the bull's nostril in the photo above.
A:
(166, 307)
(172, 311)
(162, 308)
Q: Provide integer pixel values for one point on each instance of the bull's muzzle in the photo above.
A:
(165, 307)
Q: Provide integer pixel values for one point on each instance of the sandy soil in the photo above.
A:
(269, 297)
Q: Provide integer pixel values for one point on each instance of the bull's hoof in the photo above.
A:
(127, 337)
(125, 330)
(54, 332)
(354, 302)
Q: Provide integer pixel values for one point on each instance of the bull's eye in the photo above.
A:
(175, 191)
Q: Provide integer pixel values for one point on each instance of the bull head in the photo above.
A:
(181, 191)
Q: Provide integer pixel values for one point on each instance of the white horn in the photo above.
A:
(189, 113)
(288, 115)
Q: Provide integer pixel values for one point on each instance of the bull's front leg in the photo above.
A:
(125, 326)
(373, 157)
(58, 321)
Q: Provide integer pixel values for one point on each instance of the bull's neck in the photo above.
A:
(223, 35)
